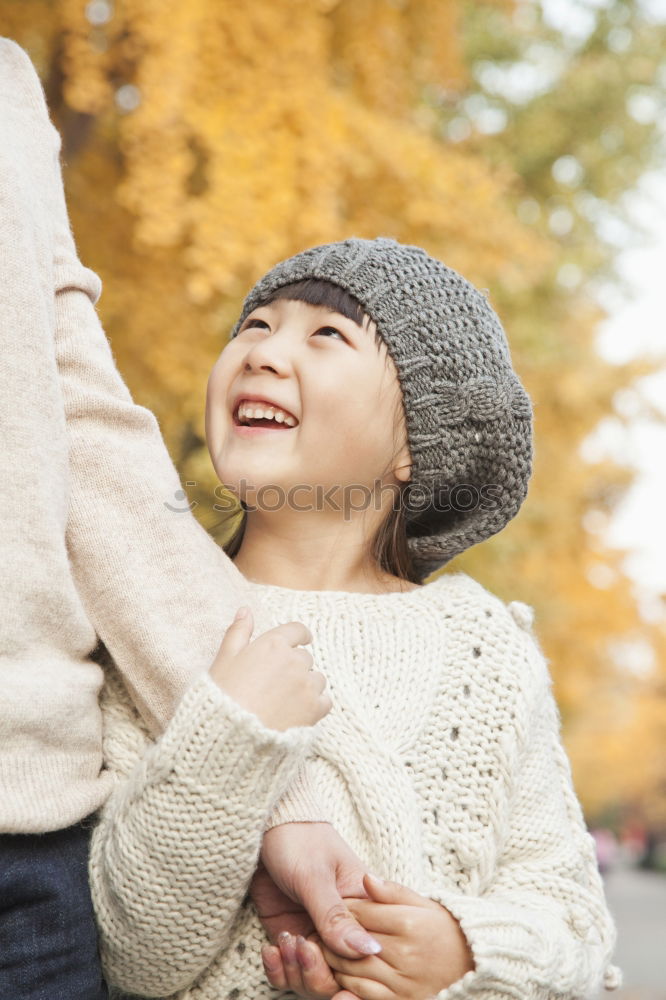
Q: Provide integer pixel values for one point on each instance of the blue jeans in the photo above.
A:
(48, 938)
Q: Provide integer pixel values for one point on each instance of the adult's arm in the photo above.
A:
(157, 589)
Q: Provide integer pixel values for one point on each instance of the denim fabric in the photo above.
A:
(48, 938)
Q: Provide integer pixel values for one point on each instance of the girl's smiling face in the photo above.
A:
(332, 377)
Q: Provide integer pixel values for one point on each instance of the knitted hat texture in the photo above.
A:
(468, 417)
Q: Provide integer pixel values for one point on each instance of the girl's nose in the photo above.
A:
(269, 355)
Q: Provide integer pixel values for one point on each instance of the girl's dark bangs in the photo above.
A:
(319, 292)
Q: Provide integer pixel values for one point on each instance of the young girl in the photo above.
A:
(366, 412)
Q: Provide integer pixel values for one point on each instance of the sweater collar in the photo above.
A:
(426, 592)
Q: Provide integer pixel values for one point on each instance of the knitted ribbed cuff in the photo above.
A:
(299, 804)
(72, 275)
(505, 949)
(213, 741)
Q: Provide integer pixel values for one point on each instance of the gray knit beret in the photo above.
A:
(468, 418)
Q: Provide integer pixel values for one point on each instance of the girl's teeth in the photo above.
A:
(247, 412)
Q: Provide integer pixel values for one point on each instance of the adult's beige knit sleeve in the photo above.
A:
(178, 839)
(539, 929)
(157, 588)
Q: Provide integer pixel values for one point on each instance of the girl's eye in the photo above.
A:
(252, 322)
(322, 328)
(255, 322)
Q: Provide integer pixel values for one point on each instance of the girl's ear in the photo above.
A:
(403, 466)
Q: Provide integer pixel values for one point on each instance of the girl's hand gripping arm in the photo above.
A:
(178, 840)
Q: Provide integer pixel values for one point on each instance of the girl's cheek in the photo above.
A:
(219, 379)
(217, 397)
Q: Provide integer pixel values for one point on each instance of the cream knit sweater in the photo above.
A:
(88, 548)
(440, 764)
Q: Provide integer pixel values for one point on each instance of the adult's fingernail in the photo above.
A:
(362, 942)
(242, 612)
(287, 947)
(304, 953)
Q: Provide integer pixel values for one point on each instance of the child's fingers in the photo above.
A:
(381, 918)
(363, 989)
(318, 979)
(382, 891)
(391, 958)
(363, 966)
(273, 967)
(373, 967)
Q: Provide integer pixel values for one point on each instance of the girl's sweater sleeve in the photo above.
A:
(177, 842)
(541, 930)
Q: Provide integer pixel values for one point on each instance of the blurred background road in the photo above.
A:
(637, 899)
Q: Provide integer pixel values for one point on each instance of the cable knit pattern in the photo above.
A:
(440, 764)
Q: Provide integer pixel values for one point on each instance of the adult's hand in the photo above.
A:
(299, 966)
(306, 870)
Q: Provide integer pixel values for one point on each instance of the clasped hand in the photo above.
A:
(423, 951)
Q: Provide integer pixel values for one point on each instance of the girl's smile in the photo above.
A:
(257, 414)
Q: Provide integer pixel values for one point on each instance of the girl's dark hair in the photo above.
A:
(389, 544)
